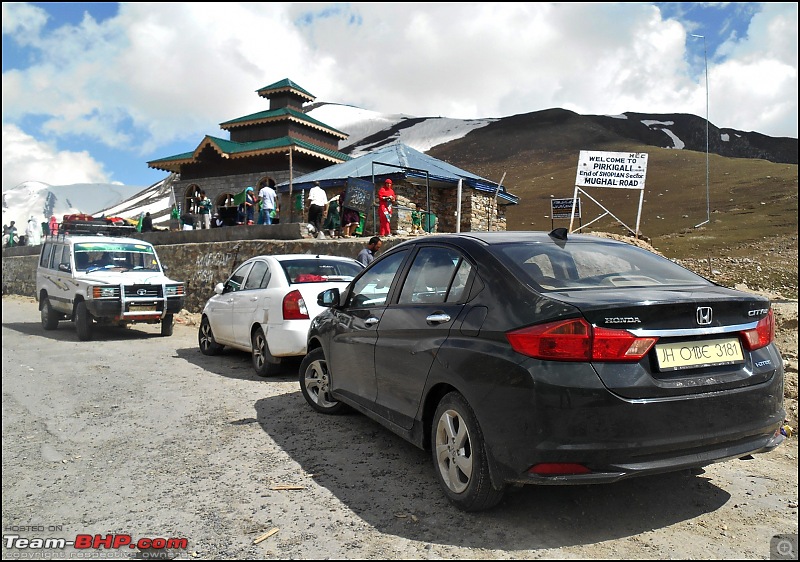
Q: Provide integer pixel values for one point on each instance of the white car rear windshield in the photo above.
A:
(319, 270)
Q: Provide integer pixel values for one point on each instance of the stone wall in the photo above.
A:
(200, 263)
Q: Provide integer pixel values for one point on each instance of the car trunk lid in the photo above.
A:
(700, 347)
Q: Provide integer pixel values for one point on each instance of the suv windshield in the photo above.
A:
(91, 256)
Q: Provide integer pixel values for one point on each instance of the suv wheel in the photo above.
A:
(83, 321)
(167, 325)
(50, 317)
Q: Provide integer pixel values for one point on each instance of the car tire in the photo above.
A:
(459, 456)
(315, 383)
(83, 321)
(50, 317)
(264, 363)
(167, 325)
(205, 339)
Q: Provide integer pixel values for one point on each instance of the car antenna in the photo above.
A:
(559, 234)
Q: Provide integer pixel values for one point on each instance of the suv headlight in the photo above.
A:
(104, 292)
(174, 290)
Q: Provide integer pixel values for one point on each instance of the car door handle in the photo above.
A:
(439, 318)
(369, 322)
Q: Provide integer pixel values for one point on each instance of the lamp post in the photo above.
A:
(708, 191)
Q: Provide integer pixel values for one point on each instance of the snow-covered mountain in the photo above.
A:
(41, 200)
(367, 129)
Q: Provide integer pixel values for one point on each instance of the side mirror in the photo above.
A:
(64, 267)
(219, 288)
(328, 298)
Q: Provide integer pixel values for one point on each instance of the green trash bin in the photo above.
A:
(428, 222)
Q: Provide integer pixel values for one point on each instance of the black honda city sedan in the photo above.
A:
(536, 358)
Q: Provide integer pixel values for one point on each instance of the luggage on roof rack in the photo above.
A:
(86, 224)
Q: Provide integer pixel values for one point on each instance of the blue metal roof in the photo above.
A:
(398, 160)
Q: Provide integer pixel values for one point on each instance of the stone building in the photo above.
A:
(275, 144)
(285, 145)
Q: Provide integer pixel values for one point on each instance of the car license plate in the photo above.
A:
(142, 308)
(690, 354)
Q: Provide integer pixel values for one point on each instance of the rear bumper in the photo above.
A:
(645, 467)
(566, 415)
(288, 339)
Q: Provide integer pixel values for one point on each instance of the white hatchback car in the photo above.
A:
(266, 306)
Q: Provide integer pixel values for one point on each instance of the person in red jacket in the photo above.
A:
(386, 199)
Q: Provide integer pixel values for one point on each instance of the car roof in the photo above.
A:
(529, 236)
(289, 257)
(558, 236)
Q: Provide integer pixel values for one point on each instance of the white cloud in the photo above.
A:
(159, 73)
(26, 159)
(755, 89)
(23, 21)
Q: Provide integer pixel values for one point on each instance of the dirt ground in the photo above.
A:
(135, 436)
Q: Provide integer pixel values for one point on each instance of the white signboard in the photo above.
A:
(621, 170)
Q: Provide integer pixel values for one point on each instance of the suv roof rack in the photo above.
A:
(97, 227)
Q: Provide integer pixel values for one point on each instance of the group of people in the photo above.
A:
(264, 205)
(203, 205)
(324, 215)
(33, 234)
(332, 216)
(10, 235)
(202, 216)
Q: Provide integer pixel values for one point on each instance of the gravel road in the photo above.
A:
(136, 435)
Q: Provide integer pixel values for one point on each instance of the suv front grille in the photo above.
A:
(143, 291)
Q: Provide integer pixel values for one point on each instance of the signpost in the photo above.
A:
(614, 170)
(564, 209)
(359, 195)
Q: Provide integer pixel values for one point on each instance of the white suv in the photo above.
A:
(104, 280)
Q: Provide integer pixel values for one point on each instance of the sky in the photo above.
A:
(93, 91)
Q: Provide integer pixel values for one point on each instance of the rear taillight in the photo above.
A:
(619, 345)
(577, 340)
(294, 307)
(557, 468)
(762, 335)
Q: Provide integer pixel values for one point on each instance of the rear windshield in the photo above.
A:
(92, 256)
(319, 270)
(581, 265)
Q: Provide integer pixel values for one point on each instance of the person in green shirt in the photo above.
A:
(204, 203)
(333, 222)
(416, 221)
